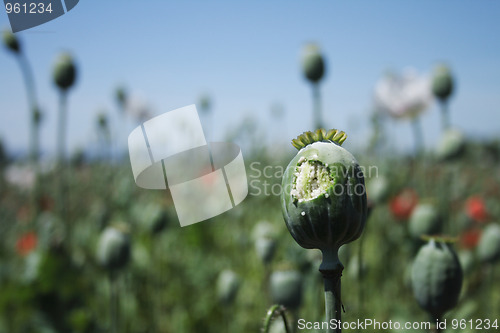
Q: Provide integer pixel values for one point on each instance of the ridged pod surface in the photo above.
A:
(324, 197)
(436, 278)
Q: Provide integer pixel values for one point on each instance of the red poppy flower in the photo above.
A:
(476, 209)
(26, 243)
(402, 205)
(470, 238)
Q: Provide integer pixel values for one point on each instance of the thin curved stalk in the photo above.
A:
(31, 96)
(273, 310)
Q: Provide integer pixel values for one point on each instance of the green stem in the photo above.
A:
(61, 160)
(318, 123)
(275, 309)
(113, 302)
(445, 117)
(331, 268)
(417, 134)
(31, 96)
(33, 153)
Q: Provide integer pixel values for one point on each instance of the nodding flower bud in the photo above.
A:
(227, 286)
(65, 71)
(286, 288)
(313, 64)
(113, 250)
(488, 249)
(436, 278)
(11, 42)
(442, 82)
(324, 197)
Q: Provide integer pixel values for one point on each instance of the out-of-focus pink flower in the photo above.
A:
(476, 209)
(470, 238)
(26, 243)
(403, 95)
(403, 204)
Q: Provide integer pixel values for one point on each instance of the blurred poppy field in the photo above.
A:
(86, 250)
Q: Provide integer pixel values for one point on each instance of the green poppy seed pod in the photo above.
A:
(436, 278)
(113, 250)
(264, 237)
(65, 71)
(324, 198)
(11, 42)
(313, 64)
(102, 121)
(121, 96)
(488, 249)
(424, 220)
(286, 288)
(378, 189)
(227, 286)
(265, 248)
(451, 145)
(467, 260)
(442, 82)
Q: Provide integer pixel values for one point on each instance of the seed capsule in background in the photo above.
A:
(11, 42)
(113, 250)
(424, 220)
(228, 284)
(264, 237)
(451, 145)
(436, 278)
(121, 96)
(442, 82)
(313, 63)
(488, 249)
(64, 71)
(286, 288)
(324, 198)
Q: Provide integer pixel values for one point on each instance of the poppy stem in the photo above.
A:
(331, 269)
(317, 119)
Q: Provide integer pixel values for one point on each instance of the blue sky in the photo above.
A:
(247, 56)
